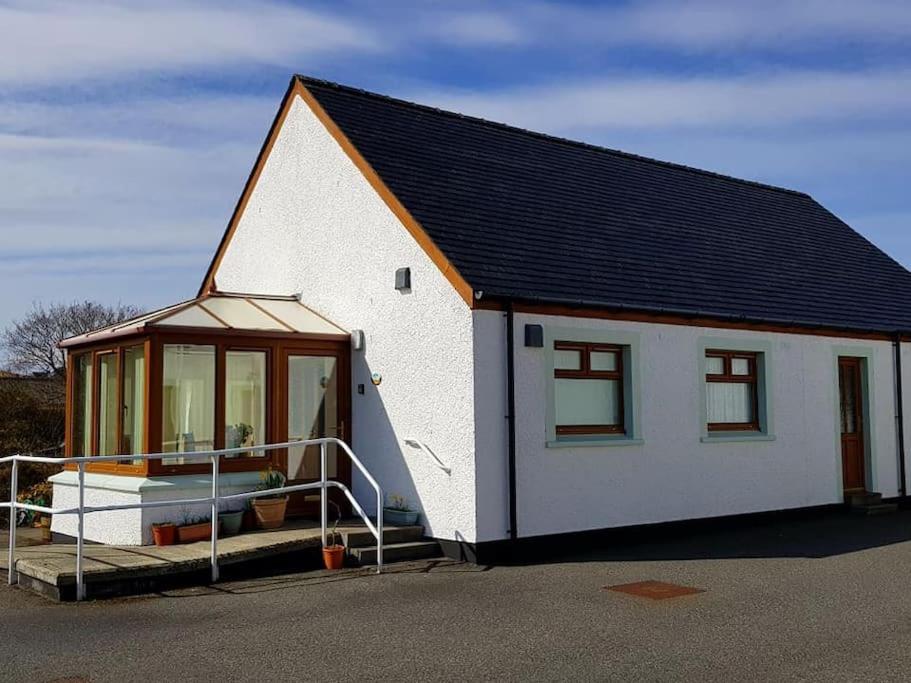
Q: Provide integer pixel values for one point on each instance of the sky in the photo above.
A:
(128, 129)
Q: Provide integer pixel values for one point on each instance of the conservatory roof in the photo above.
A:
(222, 311)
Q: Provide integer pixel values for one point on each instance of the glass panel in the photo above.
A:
(312, 413)
(605, 361)
(188, 400)
(82, 405)
(565, 359)
(133, 401)
(587, 402)
(729, 402)
(107, 404)
(241, 314)
(245, 401)
(848, 400)
(740, 366)
(714, 365)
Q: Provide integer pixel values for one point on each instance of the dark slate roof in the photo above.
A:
(530, 217)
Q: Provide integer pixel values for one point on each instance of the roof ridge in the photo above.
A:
(545, 136)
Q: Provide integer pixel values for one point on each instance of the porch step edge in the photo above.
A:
(362, 538)
(397, 552)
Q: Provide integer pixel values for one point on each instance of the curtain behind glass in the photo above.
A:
(188, 400)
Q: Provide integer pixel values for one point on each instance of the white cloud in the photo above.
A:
(474, 28)
(45, 41)
(655, 102)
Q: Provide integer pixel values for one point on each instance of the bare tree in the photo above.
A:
(30, 344)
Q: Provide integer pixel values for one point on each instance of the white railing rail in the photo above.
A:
(214, 456)
(421, 446)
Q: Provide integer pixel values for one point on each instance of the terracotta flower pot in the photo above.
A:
(164, 534)
(190, 533)
(270, 512)
(334, 556)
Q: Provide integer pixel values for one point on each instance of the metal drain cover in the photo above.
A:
(654, 590)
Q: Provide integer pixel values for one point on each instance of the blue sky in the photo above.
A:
(128, 129)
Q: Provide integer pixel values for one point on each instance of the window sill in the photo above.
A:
(589, 442)
(733, 437)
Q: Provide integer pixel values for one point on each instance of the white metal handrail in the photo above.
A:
(214, 456)
(421, 446)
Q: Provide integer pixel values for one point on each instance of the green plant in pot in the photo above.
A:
(270, 510)
(399, 512)
(334, 552)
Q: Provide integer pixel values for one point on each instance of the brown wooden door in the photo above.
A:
(851, 414)
(317, 397)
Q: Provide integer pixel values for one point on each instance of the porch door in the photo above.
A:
(851, 402)
(316, 406)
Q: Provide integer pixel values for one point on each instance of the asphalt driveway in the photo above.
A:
(824, 599)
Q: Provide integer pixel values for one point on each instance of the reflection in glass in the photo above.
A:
(107, 404)
(312, 413)
(82, 405)
(188, 400)
(245, 401)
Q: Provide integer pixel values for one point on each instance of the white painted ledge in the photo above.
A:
(130, 484)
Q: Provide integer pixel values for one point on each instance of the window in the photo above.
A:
(588, 388)
(188, 400)
(82, 405)
(245, 401)
(107, 404)
(732, 393)
(133, 408)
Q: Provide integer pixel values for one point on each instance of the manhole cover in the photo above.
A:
(655, 590)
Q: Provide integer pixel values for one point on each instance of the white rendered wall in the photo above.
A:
(314, 225)
(134, 527)
(673, 475)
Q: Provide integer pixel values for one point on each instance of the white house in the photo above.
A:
(550, 337)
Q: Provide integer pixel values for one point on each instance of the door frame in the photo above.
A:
(341, 351)
(864, 357)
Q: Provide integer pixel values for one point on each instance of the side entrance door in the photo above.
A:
(316, 404)
(851, 402)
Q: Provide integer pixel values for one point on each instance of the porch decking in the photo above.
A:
(126, 570)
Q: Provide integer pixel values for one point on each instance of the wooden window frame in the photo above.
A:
(585, 371)
(728, 377)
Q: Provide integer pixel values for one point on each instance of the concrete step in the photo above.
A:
(362, 538)
(396, 552)
(864, 499)
(878, 509)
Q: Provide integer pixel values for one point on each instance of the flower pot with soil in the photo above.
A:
(231, 522)
(334, 553)
(399, 513)
(270, 510)
(194, 531)
(164, 534)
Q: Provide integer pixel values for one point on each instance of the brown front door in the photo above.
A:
(851, 402)
(316, 405)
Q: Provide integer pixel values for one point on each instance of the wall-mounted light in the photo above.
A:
(534, 336)
(403, 279)
(357, 340)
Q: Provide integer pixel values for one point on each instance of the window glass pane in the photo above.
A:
(729, 402)
(587, 402)
(714, 365)
(740, 366)
(107, 404)
(312, 413)
(133, 401)
(245, 401)
(82, 405)
(567, 359)
(604, 361)
(188, 400)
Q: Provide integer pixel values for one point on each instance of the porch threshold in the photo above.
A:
(112, 571)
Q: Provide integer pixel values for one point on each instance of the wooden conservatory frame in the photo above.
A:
(153, 337)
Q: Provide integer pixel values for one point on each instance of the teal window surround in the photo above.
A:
(631, 387)
(865, 353)
(763, 351)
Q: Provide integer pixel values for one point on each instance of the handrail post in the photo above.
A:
(323, 503)
(80, 532)
(13, 494)
(214, 549)
(379, 531)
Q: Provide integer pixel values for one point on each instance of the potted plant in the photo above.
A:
(164, 533)
(194, 529)
(270, 510)
(398, 511)
(231, 521)
(334, 553)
